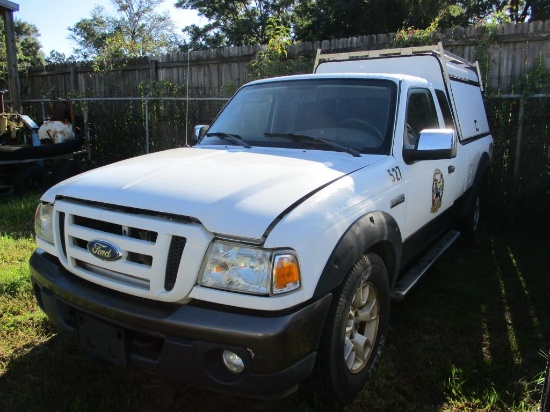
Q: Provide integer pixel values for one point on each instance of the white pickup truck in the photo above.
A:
(269, 252)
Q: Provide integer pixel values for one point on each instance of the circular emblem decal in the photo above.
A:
(104, 250)
(437, 190)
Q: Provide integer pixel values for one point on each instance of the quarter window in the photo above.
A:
(445, 109)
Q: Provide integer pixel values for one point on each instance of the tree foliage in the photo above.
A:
(271, 61)
(27, 44)
(137, 30)
(495, 11)
(327, 19)
(56, 57)
(234, 23)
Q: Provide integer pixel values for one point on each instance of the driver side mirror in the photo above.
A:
(432, 144)
(199, 131)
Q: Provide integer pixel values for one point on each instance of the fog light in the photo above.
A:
(232, 361)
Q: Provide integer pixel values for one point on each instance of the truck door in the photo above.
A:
(430, 183)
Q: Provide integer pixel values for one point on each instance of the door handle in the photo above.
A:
(451, 169)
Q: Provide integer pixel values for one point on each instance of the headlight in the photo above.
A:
(43, 225)
(249, 269)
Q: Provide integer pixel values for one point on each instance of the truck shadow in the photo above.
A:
(58, 376)
(470, 335)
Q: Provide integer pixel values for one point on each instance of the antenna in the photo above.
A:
(187, 100)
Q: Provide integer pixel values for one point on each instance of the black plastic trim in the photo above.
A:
(421, 240)
(471, 139)
(377, 231)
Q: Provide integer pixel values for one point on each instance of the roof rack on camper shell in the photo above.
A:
(448, 59)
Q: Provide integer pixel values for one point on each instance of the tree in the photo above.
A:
(539, 9)
(137, 30)
(329, 19)
(234, 23)
(56, 57)
(271, 61)
(245, 22)
(90, 34)
(27, 44)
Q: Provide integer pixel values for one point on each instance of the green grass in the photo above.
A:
(22, 324)
(469, 337)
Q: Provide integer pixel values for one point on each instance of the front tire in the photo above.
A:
(354, 333)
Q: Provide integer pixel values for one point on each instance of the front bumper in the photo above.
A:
(185, 341)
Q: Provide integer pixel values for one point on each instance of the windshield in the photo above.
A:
(357, 114)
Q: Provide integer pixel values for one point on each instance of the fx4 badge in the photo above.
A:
(104, 250)
(397, 200)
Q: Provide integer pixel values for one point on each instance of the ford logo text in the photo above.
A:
(104, 250)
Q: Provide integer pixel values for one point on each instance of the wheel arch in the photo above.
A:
(375, 231)
(483, 166)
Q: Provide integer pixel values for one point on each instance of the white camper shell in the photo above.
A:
(459, 78)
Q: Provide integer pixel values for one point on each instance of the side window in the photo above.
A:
(445, 109)
(421, 114)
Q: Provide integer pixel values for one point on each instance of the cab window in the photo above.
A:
(421, 114)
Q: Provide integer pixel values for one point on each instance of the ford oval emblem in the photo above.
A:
(104, 250)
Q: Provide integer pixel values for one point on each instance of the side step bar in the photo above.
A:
(405, 284)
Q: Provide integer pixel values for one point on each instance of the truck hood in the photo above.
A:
(234, 192)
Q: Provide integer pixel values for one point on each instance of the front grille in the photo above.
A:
(153, 249)
(62, 232)
(174, 258)
(118, 230)
(115, 229)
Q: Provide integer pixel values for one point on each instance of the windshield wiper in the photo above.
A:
(233, 138)
(297, 136)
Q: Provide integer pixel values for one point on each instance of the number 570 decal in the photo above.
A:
(395, 174)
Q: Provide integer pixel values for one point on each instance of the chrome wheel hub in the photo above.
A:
(361, 327)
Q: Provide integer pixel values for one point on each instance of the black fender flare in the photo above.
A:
(377, 231)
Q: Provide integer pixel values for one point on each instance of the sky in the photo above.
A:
(53, 17)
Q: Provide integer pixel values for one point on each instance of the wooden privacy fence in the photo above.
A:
(506, 53)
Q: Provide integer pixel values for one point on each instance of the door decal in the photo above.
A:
(437, 190)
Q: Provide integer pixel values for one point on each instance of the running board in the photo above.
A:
(405, 284)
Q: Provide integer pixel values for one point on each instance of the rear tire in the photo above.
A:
(468, 224)
(355, 332)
